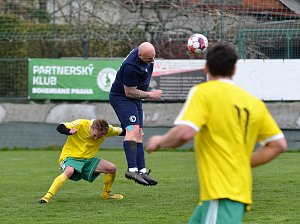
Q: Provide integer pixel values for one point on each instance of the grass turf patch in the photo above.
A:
(27, 175)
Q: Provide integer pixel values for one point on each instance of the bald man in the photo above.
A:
(126, 94)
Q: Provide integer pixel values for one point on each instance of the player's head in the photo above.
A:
(99, 128)
(146, 52)
(220, 60)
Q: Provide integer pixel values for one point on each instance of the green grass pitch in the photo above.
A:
(27, 175)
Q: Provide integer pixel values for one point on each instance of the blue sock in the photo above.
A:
(130, 148)
(140, 156)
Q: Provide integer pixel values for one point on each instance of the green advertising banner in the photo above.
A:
(71, 79)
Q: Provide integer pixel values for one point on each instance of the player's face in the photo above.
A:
(95, 134)
(148, 58)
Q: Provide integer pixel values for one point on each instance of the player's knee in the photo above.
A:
(132, 132)
(112, 169)
(69, 171)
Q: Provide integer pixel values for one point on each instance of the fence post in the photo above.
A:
(53, 46)
(85, 45)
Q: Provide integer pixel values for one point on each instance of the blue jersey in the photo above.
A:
(133, 72)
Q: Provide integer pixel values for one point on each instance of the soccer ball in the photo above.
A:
(197, 43)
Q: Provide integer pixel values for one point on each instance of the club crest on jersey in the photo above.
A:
(132, 118)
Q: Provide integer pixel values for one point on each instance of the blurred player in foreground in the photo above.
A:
(225, 122)
(78, 160)
(126, 94)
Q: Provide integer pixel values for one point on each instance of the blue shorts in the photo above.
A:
(129, 111)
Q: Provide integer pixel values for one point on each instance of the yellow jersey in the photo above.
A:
(229, 121)
(81, 145)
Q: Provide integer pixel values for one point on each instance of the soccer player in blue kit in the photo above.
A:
(126, 95)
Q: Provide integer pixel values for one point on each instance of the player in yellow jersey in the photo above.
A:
(225, 122)
(78, 160)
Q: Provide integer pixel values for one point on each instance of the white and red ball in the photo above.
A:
(197, 43)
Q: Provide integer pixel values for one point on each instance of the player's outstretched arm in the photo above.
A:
(174, 138)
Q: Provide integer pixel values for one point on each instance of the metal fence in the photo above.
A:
(261, 29)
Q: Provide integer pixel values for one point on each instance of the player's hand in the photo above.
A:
(155, 94)
(153, 143)
(73, 131)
